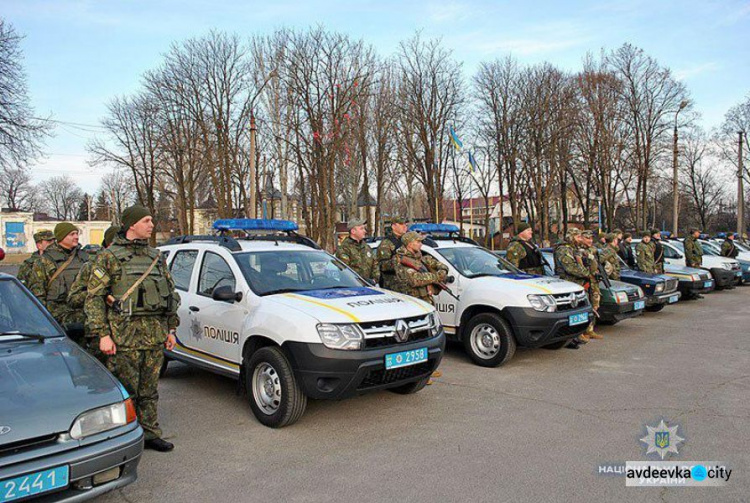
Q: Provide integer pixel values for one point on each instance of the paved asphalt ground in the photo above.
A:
(533, 430)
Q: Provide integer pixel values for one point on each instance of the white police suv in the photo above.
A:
(492, 307)
(270, 308)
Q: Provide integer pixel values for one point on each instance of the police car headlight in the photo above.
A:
(544, 303)
(659, 288)
(622, 297)
(341, 336)
(727, 265)
(640, 293)
(696, 277)
(435, 325)
(103, 419)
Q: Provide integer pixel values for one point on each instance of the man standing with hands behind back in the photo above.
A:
(142, 320)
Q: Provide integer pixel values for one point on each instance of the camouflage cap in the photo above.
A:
(646, 234)
(617, 231)
(610, 237)
(43, 235)
(587, 233)
(655, 231)
(355, 222)
(397, 220)
(412, 236)
(572, 233)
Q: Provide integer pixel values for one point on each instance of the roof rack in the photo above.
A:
(227, 242)
(437, 232)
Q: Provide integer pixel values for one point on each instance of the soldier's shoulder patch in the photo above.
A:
(98, 273)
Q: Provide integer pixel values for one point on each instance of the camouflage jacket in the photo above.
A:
(128, 332)
(693, 252)
(610, 259)
(417, 283)
(359, 257)
(569, 264)
(386, 255)
(24, 271)
(728, 249)
(77, 293)
(54, 294)
(517, 251)
(644, 254)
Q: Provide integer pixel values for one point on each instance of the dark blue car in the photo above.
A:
(660, 289)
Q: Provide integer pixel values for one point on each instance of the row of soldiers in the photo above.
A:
(120, 305)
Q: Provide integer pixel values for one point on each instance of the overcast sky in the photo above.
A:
(81, 53)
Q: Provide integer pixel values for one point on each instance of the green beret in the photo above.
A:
(132, 215)
(655, 231)
(412, 236)
(355, 222)
(626, 235)
(646, 234)
(63, 229)
(522, 227)
(43, 235)
(109, 235)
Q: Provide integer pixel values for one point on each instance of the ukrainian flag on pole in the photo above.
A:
(454, 138)
(472, 163)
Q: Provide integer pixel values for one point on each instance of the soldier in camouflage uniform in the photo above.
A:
(658, 249)
(354, 252)
(610, 258)
(644, 254)
(524, 254)
(143, 317)
(43, 239)
(52, 276)
(78, 292)
(387, 252)
(569, 266)
(590, 254)
(693, 249)
(728, 249)
(419, 274)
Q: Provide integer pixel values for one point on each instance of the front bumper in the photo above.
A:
(612, 313)
(691, 288)
(534, 328)
(724, 278)
(123, 451)
(662, 298)
(335, 374)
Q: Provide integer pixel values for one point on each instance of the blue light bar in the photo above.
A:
(254, 224)
(666, 234)
(433, 228)
(722, 235)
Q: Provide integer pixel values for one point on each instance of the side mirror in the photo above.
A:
(226, 294)
(371, 282)
(450, 279)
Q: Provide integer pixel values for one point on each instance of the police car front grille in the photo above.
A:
(382, 376)
(671, 285)
(736, 267)
(380, 334)
(633, 296)
(704, 276)
(28, 444)
(566, 302)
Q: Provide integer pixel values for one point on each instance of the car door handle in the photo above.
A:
(194, 309)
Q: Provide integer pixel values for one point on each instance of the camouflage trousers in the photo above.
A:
(595, 297)
(138, 370)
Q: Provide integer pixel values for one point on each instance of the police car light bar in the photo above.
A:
(430, 228)
(254, 224)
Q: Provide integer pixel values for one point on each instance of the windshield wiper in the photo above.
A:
(283, 290)
(26, 336)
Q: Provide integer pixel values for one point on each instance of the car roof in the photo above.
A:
(245, 246)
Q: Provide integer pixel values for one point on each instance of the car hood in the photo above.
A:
(45, 386)
(531, 282)
(619, 286)
(352, 305)
(640, 276)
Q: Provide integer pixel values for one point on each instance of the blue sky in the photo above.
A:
(81, 53)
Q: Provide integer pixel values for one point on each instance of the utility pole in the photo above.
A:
(675, 188)
(251, 209)
(740, 192)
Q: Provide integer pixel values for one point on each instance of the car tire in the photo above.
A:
(410, 388)
(557, 345)
(489, 340)
(275, 396)
(655, 309)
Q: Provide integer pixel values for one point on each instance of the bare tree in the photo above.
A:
(62, 197)
(700, 179)
(119, 193)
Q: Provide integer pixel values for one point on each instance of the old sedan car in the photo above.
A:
(68, 430)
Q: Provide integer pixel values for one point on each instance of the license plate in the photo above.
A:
(577, 319)
(33, 483)
(673, 299)
(641, 304)
(707, 284)
(405, 358)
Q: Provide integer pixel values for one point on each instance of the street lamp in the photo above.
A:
(675, 195)
(253, 188)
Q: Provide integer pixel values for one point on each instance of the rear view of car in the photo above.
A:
(68, 431)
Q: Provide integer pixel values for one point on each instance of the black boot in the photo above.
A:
(573, 344)
(157, 444)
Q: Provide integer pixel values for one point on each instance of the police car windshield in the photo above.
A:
(710, 248)
(272, 272)
(20, 316)
(473, 261)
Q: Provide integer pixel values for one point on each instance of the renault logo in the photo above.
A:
(4, 430)
(402, 331)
